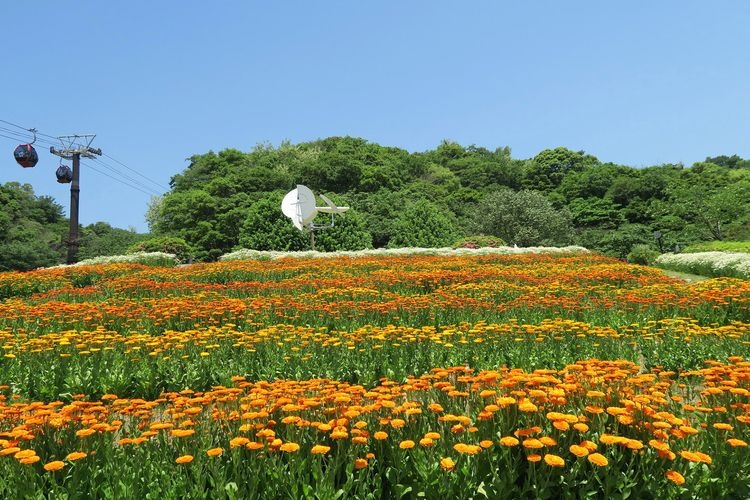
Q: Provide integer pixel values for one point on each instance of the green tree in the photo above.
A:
(267, 228)
(547, 170)
(423, 224)
(524, 218)
(102, 239)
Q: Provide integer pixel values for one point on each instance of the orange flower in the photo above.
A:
(527, 407)
(547, 441)
(289, 447)
(736, 442)
(24, 454)
(486, 443)
(85, 433)
(534, 457)
(509, 441)
(675, 477)
(215, 452)
(723, 427)
(254, 445)
(380, 435)
(470, 449)
(598, 459)
(406, 445)
(319, 449)
(180, 433)
(397, 423)
(554, 460)
(578, 451)
(30, 460)
(184, 459)
(76, 455)
(238, 441)
(447, 464)
(360, 463)
(581, 427)
(532, 443)
(432, 435)
(54, 466)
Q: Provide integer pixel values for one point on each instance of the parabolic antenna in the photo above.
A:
(331, 208)
(299, 205)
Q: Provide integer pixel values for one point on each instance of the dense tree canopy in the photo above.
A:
(231, 199)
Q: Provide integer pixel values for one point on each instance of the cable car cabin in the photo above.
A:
(64, 174)
(25, 155)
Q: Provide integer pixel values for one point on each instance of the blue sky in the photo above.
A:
(638, 83)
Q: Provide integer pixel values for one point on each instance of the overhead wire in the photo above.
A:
(129, 181)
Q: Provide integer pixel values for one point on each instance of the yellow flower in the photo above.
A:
(447, 464)
(24, 454)
(319, 449)
(470, 449)
(54, 466)
(184, 459)
(532, 443)
(85, 433)
(30, 460)
(76, 455)
(675, 477)
(598, 459)
(215, 452)
(380, 435)
(180, 433)
(736, 442)
(406, 445)
(238, 441)
(426, 442)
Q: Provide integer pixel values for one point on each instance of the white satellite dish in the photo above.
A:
(299, 205)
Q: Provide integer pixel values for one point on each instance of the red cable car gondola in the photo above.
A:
(25, 155)
(64, 174)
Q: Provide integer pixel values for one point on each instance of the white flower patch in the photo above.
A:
(708, 263)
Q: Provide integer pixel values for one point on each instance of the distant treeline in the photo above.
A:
(231, 199)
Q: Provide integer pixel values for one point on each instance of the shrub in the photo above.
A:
(642, 254)
(480, 241)
(165, 244)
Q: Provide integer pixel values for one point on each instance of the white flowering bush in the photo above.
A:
(246, 254)
(160, 259)
(731, 264)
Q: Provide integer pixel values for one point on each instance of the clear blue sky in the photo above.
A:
(638, 83)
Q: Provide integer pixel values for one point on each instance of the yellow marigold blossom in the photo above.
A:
(527, 407)
(360, 463)
(581, 427)
(85, 433)
(380, 435)
(598, 459)
(658, 445)
(54, 466)
(508, 441)
(554, 460)
(30, 460)
(359, 439)
(736, 442)
(634, 444)
(447, 464)
(675, 477)
(688, 430)
(435, 407)
(9, 451)
(589, 445)
(289, 447)
(158, 426)
(690, 456)
(432, 435)
(76, 455)
(609, 439)
(214, 452)
(406, 444)
(320, 449)
(578, 451)
(561, 425)
(184, 459)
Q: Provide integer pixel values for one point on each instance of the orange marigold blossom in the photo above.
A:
(24, 454)
(30, 460)
(9, 451)
(736, 442)
(214, 452)
(534, 457)
(380, 435)
(470, 449)
(360, 463)
(447, 464)
(85, 432)
(598, 459)
(578, 451)
(76, 455)
(406, 444)
(675, 477)
(426, 442)
(54, 466)
(289, 447)
(554, 460)
(486, 443)
(532, 443)
(238, 441)
(320, 449)
(184, 459)
(509, 441)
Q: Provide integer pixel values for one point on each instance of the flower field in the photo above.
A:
(463, 376)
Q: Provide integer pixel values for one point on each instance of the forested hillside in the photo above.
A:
(231, 199)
